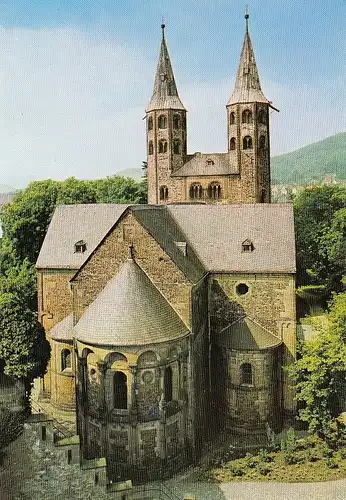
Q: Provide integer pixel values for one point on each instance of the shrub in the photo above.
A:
(291, 440)
(250, 461)
(264, 469)
(237, 471)
(311, 456)
(332, 463)
(264, 456)
(342, 452)
(327, 452)
(291, 458)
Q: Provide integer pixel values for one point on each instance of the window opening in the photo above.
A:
(232, 144)
(120, 390)
(168, 384)
(80, 246)
(246, 374)
(247, 142)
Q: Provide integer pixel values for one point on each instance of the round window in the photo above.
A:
(242, 289)
(148, 377)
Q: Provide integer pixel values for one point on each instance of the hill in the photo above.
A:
(134, 173)
(312, 162)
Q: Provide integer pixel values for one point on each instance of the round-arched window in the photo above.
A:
(242, 289)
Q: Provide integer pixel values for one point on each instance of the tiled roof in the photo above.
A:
(159, 222)
(207, 164)
(246, 334)
(247, 86)
(130, 310)
(63, 329)
(70, 224)
(216, 233)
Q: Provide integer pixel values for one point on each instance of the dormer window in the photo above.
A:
(247, 246)
(210, 162)
(80, 246)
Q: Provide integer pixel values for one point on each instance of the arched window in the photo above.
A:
(150, 123)
(66, 360)
(247, 142)
(176, 146)
(232, 144)
(262, 117)
(163, 193)
(162, 146)
(214, 190)
(162, 121)
(147, 358)
(151, 148)
(246, 116)
(232, 118)
(246, 374)
(263, 196)
(262, 142)
(168, 384)
(120, 391)
(196, 191)
(176, 122)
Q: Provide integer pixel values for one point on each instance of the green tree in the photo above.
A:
(320, 371)
(23, 346)
(318, 215)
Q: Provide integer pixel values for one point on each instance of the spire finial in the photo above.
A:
(163, 28)
(247, 18)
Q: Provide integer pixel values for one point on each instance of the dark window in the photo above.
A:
(80, 246)
(210, 162)
(247, 246)
(69, 456)
(176, 122)
(262, 118)
(120, 390)
(44, 433)
(214, 191)
(246, 374)
(66, 360)
(162, 121)
(150, 123)
(150, 148)
(232, 144)
(262, 142)
(163, 193)
(232, 118)
(263, 195)
(97, 478)
(246, 116)
(196, 191)
(168, 384)
(176, 146)
(242, 289)
(162, 146)
(247, 142)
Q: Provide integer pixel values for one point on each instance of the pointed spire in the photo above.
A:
(247, 86)
(165, 93)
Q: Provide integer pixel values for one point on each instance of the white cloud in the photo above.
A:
(72, 103)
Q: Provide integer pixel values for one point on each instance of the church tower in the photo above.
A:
(166, 130)
(248, 128)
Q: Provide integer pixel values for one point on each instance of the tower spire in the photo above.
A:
(247, 86)
(165, 93)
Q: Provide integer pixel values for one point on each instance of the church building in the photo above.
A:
(165, 317)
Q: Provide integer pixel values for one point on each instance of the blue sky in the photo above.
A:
(75, 77)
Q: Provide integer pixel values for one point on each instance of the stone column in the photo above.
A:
(161, 431)
(102, 368)
(133, 413)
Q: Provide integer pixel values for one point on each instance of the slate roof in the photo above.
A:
(246, 334)
(216, 233)
(247, 86)
(70, 224)
(63, 329)
(198, 165)
(165, 93)
(159, 222)
(130, 310)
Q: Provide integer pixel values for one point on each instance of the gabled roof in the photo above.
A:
(130, 310)
(246, 334)
(247, 86)
(158, 221)
(63, 329)
(70, 224)
(165, 93)
(219, 164)
(216, 233)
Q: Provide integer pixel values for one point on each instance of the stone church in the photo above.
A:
(165, 317)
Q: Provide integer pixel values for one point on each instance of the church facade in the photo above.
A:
(165, 317)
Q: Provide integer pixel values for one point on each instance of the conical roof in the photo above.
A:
(247, 86)
(130, 310)
(165, 93)
(246, 334)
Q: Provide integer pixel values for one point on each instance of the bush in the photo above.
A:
(311, 456)
(327, 452)
(264, 456)
(291, 458)
(332, 463)
(291, 440)
(237, 471)
(264, 469)
(250, 461)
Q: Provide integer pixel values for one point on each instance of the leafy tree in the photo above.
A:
(320, 371)
(320, 222)
(22, 340)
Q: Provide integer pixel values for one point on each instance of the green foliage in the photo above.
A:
(320, 223)
(320, 374)
(264, 456)
(11, 425)
(251, 461)
(23, 346)
(312, 162)
(237, 471)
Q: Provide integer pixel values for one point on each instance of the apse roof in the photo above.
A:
(247, 334)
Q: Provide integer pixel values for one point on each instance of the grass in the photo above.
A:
(307, 463)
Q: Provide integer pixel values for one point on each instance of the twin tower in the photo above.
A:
(242, 175)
